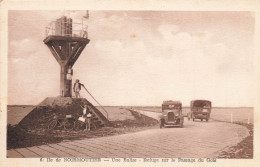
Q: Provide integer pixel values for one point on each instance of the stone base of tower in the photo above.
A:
(40, 116)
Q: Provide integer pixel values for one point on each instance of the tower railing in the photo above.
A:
(75, 29)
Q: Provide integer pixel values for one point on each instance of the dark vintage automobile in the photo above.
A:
(199, 109)
(171, 114)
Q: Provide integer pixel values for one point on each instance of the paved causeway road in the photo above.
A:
(195, 140)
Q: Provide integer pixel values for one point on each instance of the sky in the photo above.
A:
(139, 57)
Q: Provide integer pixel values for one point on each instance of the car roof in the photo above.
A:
(171, 102)
(200, 101)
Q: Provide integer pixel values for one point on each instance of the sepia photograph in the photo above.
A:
(129, 86)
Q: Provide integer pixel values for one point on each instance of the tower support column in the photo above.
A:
(65, 84)
(66, 50)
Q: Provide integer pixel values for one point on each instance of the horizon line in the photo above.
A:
(136, 106)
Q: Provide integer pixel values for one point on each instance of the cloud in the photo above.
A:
(116, 55)
(167, 30)
(180, 53)
(17, 60)
(163, 61)
(115, 18)
(21, 44)
(24, 48)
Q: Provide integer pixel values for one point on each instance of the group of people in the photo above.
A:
(77, 84)
(76, 88)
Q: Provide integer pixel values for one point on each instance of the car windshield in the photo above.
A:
(202, 104)
(171, 106)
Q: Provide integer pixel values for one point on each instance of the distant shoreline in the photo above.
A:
(189, 107)
(21, 105)
(129, 106)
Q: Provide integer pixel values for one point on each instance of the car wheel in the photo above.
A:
(201, 119)
(161, 124)
(192, 119)
(207, 120)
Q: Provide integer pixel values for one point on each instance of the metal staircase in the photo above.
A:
(98, 119)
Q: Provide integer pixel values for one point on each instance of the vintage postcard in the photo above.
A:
(158, 83)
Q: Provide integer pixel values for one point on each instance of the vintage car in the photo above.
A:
(171, 114)
(199, 109)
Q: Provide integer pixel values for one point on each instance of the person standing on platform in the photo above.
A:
(77, 88)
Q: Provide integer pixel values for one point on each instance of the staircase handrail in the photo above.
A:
(96, 100)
